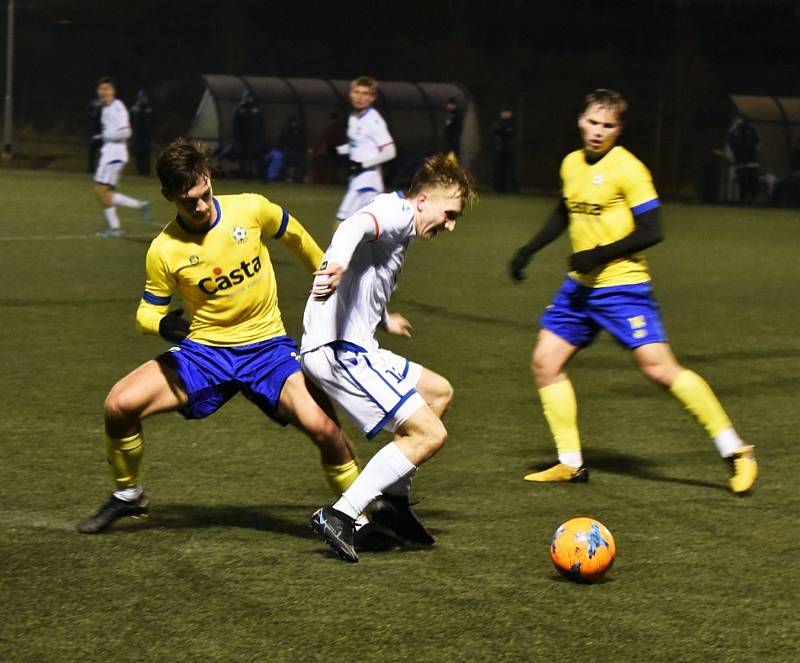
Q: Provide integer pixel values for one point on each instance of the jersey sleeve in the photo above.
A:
(363, 226)
(379, 132)
(637, 186)
(277, 223)
(158, 288)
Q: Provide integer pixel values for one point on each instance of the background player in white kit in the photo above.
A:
(113, 157)
(377, 388)
(369, 144)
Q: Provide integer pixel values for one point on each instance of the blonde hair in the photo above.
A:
(365, 81)
(441, 171)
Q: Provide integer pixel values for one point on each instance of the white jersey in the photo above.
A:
(116, 131)
(367, 135)
(371, 245)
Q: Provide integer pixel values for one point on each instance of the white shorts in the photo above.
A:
(109, 171)
(361, 190)
(376, 388)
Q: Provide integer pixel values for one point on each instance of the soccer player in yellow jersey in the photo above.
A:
(214, 254)
(612, 212)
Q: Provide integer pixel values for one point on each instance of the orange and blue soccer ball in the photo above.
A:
(582, 549)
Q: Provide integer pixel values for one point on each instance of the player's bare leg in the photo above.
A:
(549, 358)
(304, 405)
(436, 391)
(658, 363)
(149, 389)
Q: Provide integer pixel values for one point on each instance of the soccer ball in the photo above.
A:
(582, 549)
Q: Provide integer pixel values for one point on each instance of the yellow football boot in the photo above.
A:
(560, 472)
(744, 470)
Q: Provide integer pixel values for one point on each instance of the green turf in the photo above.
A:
(227, 569)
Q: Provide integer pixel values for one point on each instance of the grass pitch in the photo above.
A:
(226, 568)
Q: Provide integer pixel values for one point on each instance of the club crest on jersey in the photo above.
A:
(598, 179)
(219, 281)
(193, 260)
(239, 234)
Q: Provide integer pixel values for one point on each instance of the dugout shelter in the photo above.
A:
(414, 112)
(777, 121)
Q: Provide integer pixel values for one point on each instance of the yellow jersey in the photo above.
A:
(602, 198)
(224, 275)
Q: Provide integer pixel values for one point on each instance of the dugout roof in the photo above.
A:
(777, 120)
(413, 111)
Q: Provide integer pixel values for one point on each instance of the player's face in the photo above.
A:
(196, 206)
(361, 97)
(600, 127)
(105, 93)
(437, 210)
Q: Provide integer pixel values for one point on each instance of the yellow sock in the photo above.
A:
(561, 411)
(339, 477)
(695, 394)
(125, 457)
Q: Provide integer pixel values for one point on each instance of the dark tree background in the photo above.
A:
(675, 60)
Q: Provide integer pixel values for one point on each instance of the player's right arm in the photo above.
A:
(153, 315)
(556, 224)
(361, 227)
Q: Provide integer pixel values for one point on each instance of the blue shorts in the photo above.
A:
(213, 375)
(628, 312)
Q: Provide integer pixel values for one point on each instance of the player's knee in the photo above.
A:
(435, 438)
(119, 405)
(322, 429)
(543, 367)
(444, 395)
(660, 374)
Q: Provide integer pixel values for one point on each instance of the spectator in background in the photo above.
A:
(249, 137)
(325, 166)
(744, 143)
(94, 131)
(505, 153)
(453, 124)
(292, 142)
(143, 122)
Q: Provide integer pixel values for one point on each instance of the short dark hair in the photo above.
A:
(106, 79)
(182, 163)
(443, 171)
(607, 99)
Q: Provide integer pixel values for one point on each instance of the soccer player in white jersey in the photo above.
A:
(369, 144)
(113, 157)
(378, 389)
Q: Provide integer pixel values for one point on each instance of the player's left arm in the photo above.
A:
(153, 315)
(277, 223)
(119, 128)
(638, 189)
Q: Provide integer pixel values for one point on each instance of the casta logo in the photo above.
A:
(220, 281)
(580, 207)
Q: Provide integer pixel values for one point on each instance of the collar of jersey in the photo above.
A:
(364, 112)
(191, 231)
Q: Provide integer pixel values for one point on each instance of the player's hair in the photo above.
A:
(182, 163)
(607, 99)
(106, 79)
(365, 81)
(441, 171)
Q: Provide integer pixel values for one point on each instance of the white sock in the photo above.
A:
(385, 468)
(111, 217)
(125, 201)
(571, 458)
(728, 442)
(128, 494)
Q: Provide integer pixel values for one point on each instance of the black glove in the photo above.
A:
(173, 327)
(355, 167)
(519, 262)
(584, 262)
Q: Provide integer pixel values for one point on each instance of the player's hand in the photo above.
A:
(173, 327)
(584, 262)
(326, 279)
(516, 268)
(398, 325)
(355, 167)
